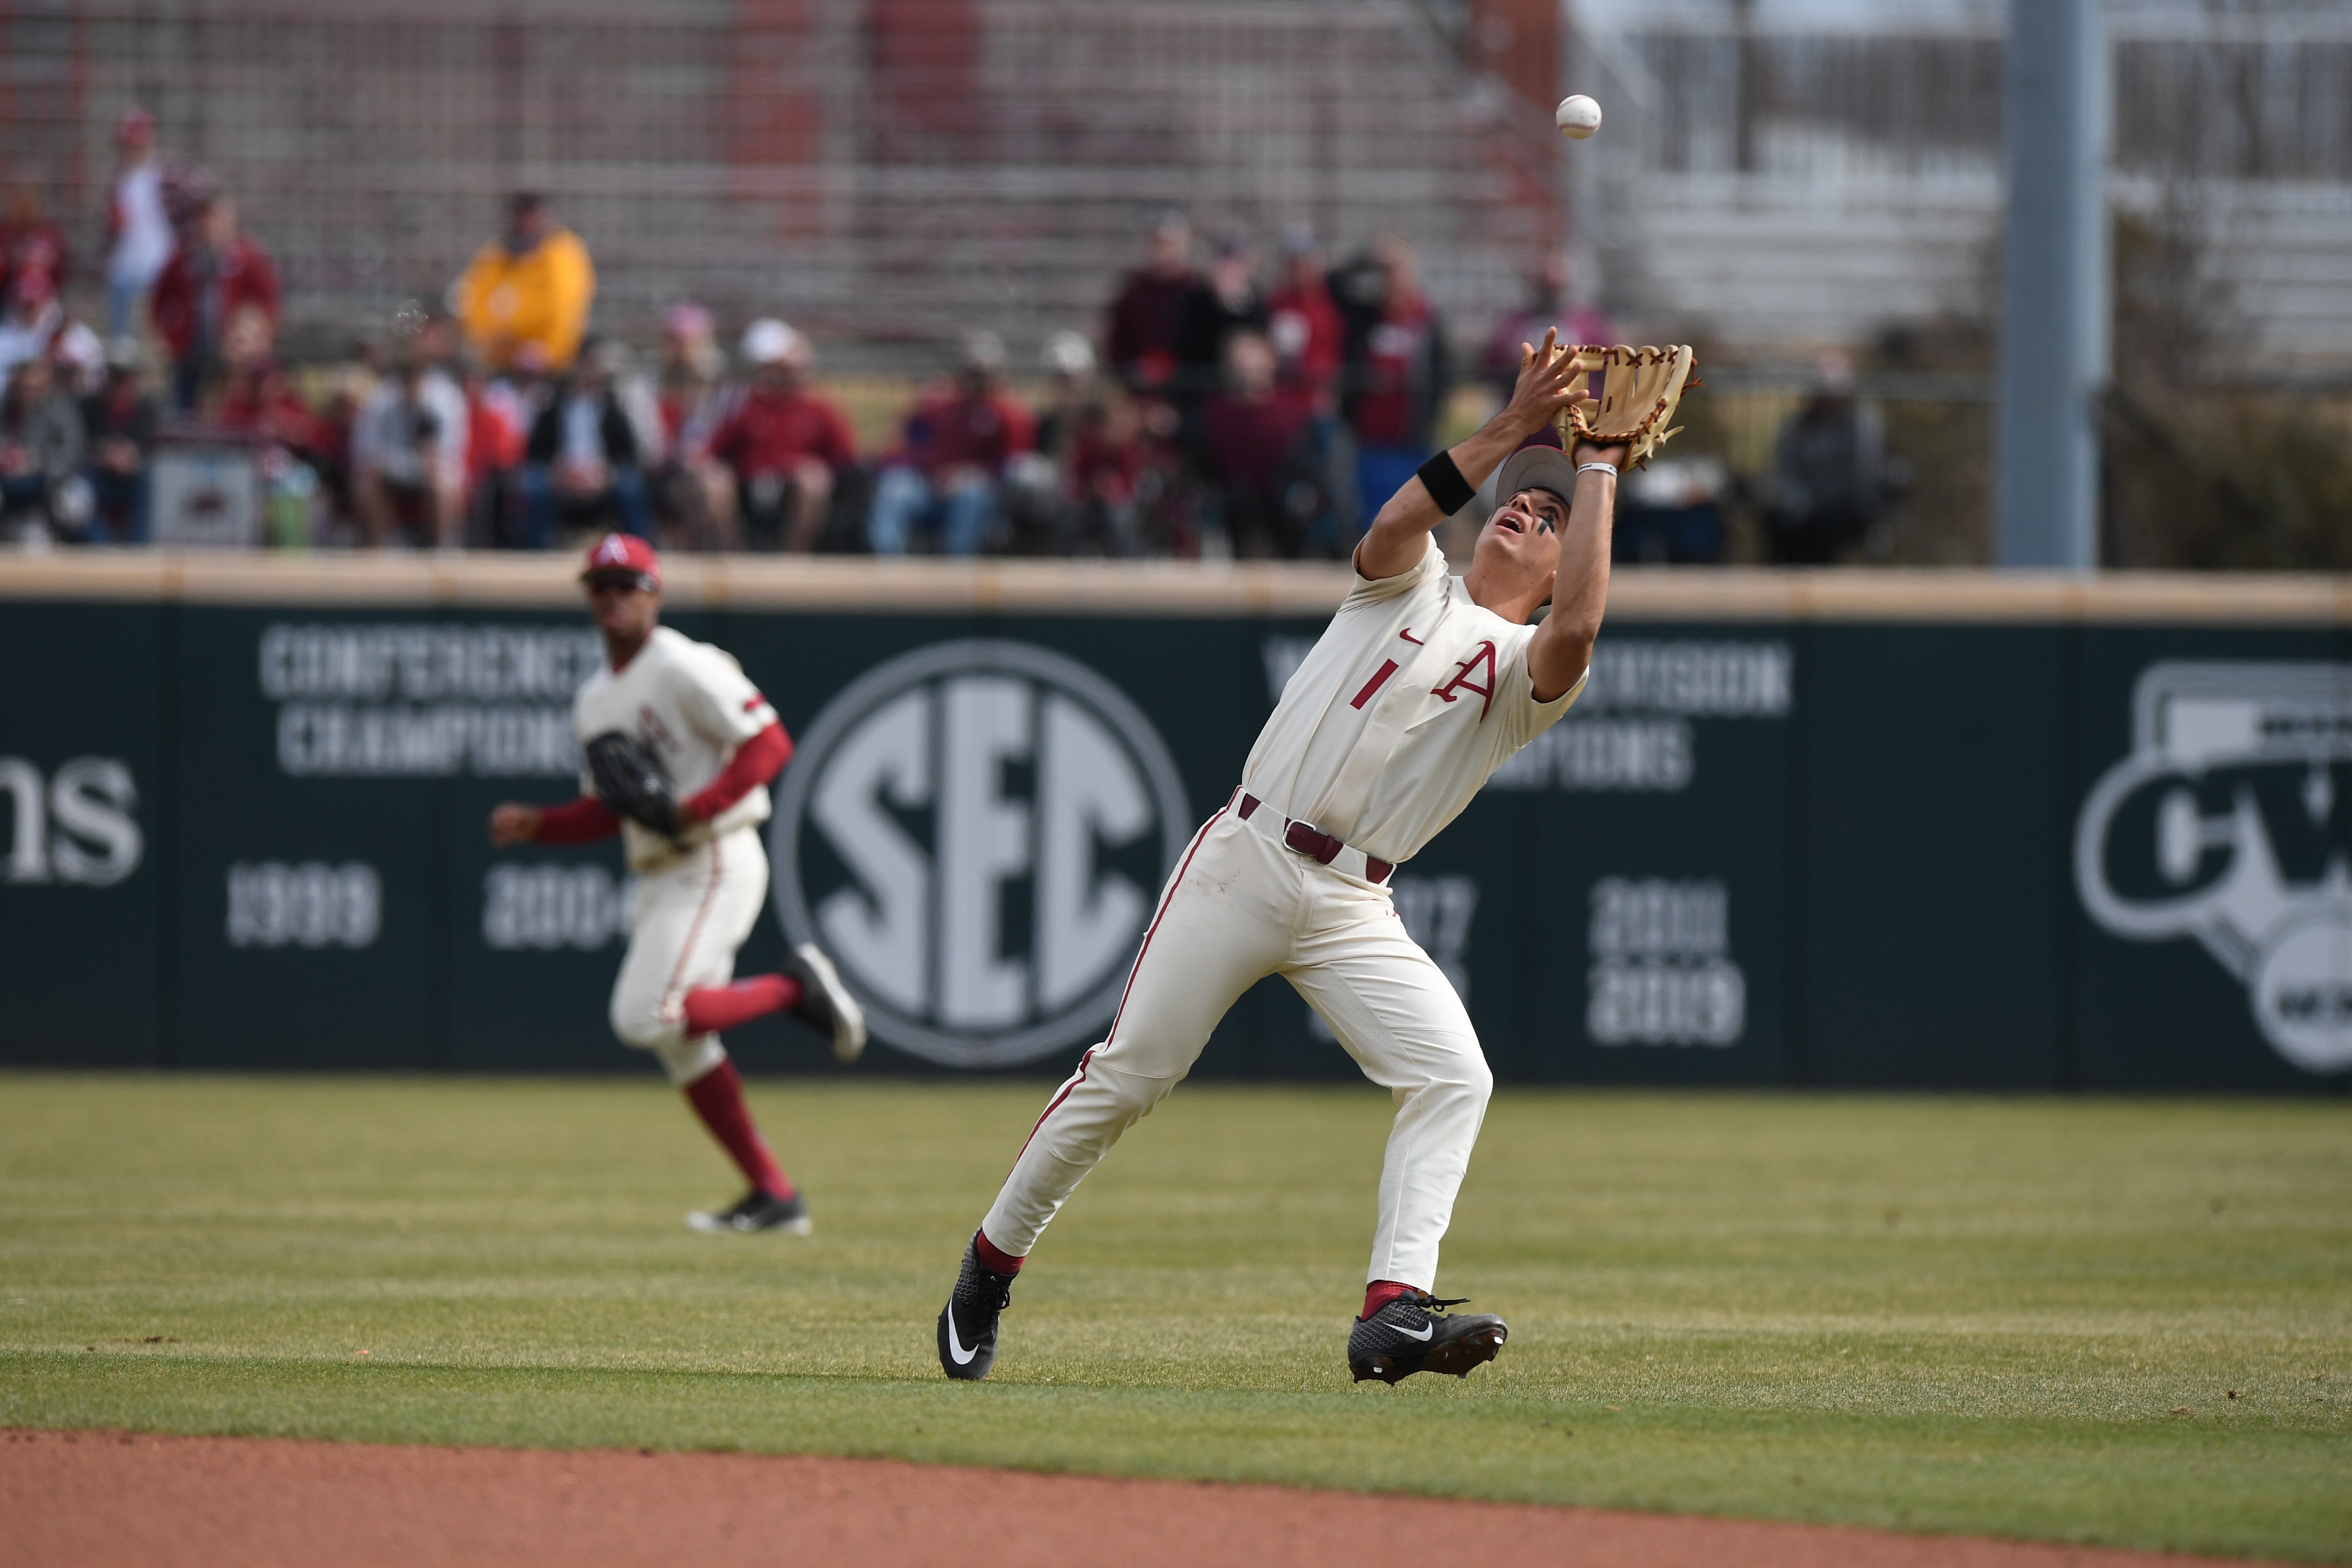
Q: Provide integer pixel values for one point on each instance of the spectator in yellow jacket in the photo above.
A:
(524, 299)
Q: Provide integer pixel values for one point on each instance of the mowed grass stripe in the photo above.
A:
(1936, 1313)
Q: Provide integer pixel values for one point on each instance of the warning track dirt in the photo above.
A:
(93, 1498)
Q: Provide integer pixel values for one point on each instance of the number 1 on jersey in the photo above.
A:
(1380, 678)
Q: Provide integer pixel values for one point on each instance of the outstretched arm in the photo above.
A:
(582, 821)
(1395, 540)
(1561, 649)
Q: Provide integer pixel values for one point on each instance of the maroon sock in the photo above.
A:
(717, 1098)
(992, 1257)
(711, 1008)
(1380, 1292)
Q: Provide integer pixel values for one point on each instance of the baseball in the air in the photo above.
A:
(1577, 117)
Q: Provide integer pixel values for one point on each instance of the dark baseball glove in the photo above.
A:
(630, 780)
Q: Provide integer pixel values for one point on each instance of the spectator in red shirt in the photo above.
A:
(30, 240)
(215, 270)
(347, 387)
(1310, 346)
(259, 400)
(1145, 315)
(497, 424)
(958, 441)
(256, 397)
(1105, 470)
(1398, 372)
(1304, 325)
(785, 444)
(1252, 443)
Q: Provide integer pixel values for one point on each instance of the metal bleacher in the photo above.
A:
(889, 172)
(886, 173)
(1779, 181)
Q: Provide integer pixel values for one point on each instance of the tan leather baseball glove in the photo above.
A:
(1630, 398)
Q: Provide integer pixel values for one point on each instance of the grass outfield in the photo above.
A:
(2015, 1317)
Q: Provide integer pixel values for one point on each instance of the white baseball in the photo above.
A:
(1577, 117)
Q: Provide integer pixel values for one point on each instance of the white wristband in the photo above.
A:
(1609, 468)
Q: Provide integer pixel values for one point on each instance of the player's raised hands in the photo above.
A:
(1399, 533)
(1545, 378)
(1586, 452)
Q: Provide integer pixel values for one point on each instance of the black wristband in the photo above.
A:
(1441, 477)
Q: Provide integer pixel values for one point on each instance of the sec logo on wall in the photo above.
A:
(2229, 822)
(977, 831)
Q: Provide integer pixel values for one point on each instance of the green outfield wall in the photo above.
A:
(1946, 830)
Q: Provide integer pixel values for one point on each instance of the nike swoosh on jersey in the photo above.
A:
(962, 1356)
(1426, 1329)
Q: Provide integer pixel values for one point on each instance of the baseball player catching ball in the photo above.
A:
(680, 748)
(1422, 686)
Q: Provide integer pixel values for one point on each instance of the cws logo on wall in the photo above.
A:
(976, 831)
(2228, 821)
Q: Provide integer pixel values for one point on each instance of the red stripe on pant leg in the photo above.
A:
(1173, 884)
(1080, 1075)
(693, 932)
(1076, 1078)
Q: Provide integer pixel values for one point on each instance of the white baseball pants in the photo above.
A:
(686, 922)
(1240, 907)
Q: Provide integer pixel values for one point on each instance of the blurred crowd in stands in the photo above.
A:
(1239, 403)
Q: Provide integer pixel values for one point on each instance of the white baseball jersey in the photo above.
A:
(690, 705)
(1410, 700)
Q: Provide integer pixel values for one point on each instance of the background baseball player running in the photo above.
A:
(681, 748)
(1423, 685)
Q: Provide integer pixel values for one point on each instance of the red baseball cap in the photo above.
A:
(624, 555)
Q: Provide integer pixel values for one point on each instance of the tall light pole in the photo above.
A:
(2055, 315)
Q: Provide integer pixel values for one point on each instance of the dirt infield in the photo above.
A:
(96, 1498)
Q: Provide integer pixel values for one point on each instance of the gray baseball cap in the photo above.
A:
(1537, 468)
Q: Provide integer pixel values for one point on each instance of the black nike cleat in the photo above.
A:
(1413, 1334)
(968, 1323)
(825, 1002)
(758, 1211)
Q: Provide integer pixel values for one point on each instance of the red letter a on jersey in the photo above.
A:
(1461, 681)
